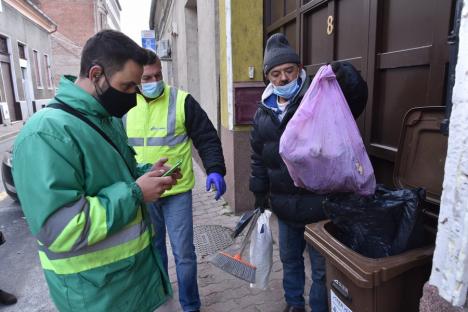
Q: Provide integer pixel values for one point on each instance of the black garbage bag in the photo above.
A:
(384, 224)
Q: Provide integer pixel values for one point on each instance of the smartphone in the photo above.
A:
(173, 168)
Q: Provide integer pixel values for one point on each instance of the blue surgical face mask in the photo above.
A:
(287, 91)
(152, 89)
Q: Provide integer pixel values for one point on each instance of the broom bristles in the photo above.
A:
(235, 266)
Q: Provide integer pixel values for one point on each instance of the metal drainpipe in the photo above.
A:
(453, 40)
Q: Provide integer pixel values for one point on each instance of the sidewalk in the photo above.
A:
(219, 291)
(8, 131)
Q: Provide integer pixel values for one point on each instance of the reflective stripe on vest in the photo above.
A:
(136, 141)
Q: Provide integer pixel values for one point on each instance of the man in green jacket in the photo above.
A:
(82, 193)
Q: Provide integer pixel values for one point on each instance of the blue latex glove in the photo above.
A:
(218, 180)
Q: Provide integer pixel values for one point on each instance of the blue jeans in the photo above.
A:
(291, 247)
(175, 213)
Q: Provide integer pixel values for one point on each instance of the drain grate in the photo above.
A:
(209, 239)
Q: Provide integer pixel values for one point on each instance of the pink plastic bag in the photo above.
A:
(321, 144)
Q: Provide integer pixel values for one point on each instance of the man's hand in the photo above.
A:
(218, 180)
(160, 166)
(152, 185)
(261, 201)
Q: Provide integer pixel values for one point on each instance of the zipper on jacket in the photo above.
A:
(272, 115)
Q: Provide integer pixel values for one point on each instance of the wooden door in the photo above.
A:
(6, 82)
(399, 46)
(8, 89)
(408, 56)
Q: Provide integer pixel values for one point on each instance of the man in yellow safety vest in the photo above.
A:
(164, 123)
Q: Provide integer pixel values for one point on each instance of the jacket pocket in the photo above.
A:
(101, 276)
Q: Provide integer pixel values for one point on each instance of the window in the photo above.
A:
(1, 9)
(21, 51)
(2, 89)
(48, 71)
(37, 70)
(3, 45)
(102, 20)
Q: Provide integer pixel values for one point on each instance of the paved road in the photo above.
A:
(6, 144)
(19, 264)
(20, 271)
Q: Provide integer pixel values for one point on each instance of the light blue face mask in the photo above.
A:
(152, 89)
(287, 91)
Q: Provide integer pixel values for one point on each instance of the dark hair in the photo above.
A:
(110, 49)
(152, 58)
(353, 86)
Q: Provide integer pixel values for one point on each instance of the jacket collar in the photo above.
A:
(269, 99)
(76, 97)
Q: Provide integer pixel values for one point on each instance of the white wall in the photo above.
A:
(168, 32)
(113, 15)
(450, 264)
(192, 30)
(208, 51)
(192, 57)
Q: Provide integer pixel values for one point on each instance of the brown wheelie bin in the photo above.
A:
(390, 284)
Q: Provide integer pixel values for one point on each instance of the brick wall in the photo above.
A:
(66, 57)
(75, 18)
(75, 24)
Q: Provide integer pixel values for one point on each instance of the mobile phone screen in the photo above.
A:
(173, 168)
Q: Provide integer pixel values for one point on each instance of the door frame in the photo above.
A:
(27, 65)
(12, 73)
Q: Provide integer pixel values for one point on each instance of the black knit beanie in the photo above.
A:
(277, 52)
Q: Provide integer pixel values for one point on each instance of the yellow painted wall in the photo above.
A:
(247, 47)
(223, 64)
(247, 38)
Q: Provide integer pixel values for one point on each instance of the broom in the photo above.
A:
(234, 264)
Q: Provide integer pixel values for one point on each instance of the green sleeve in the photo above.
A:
(50, 182)
(143, 168)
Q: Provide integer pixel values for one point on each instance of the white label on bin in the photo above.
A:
(337, 305)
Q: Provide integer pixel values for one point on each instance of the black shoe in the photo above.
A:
(293, 309)
(6, 298)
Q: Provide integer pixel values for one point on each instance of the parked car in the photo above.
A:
(7, 178)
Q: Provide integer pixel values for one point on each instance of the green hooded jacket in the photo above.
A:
(82, 204)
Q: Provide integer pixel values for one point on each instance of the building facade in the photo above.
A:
(25, 58)
(76, 22)
(189, 48)
(401, 49)
(193, 39)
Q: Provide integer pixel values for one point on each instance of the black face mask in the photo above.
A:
(115, 102)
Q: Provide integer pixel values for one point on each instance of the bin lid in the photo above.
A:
(422, 151)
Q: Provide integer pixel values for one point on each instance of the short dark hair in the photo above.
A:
(153, 58)
(110, 49)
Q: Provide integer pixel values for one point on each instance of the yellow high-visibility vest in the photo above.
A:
(157, 129)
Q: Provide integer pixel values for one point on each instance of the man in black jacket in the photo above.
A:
(270, 181)
(164, 124)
